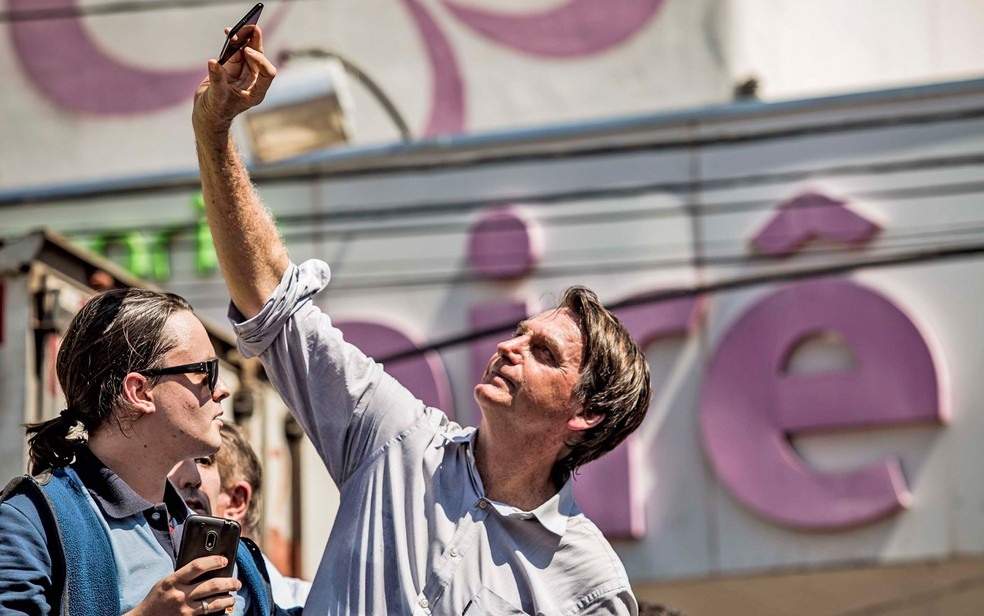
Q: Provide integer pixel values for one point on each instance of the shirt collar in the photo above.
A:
(114, 496)
(458, 436)
(465, 438)
(552, 514)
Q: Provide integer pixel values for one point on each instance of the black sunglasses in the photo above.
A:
(210, 368)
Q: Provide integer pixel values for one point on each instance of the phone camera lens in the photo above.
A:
(210, 539)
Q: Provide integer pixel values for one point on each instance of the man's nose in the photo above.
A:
(221, 391)
(185, 474)
(512, 350)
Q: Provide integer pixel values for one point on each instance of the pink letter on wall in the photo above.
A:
(422, 374)
(605, 489)
(750, 405)
(575, 28)
(503, 245)
(66, 62)
(808, 216)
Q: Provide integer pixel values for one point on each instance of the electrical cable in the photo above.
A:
(341, 283)
(495, 157)
(957, 252)
(111, 8)
(342, 270)
(972, 251)
(270, 177)
(307, 222)
(896, 241)
(359, 75)
(375, 213)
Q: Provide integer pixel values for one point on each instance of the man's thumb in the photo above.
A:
(215, 73)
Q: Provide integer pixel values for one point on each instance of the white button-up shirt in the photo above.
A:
(415, 533)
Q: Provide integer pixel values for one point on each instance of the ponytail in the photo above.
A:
(52, 443)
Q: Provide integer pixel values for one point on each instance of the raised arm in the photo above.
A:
(251, 254)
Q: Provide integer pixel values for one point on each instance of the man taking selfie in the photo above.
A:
(434, 518)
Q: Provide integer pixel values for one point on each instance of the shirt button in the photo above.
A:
(454, 552)
(424, 603)
(155, 516)
(482, 504)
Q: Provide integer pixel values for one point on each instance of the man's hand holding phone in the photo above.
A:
(183, 593)
(239, 35)
(237, 80)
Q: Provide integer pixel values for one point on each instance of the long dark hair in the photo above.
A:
(115, 333)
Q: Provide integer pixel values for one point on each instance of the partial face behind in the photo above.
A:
(187, 478)
(530, 380)
(198, 481)
(212, 484)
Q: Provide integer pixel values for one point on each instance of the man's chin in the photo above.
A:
(481, 393)
(488, 395)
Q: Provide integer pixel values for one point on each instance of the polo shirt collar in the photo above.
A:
(114, 496)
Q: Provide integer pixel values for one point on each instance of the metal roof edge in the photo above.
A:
(56, 251)
(350, 158)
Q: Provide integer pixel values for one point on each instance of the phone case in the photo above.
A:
(245, 29)
(205, 535)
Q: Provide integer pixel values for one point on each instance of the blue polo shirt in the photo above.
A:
(122, 508)
(145, 538)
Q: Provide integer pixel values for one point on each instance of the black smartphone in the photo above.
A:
(205, 535)
(243, 31)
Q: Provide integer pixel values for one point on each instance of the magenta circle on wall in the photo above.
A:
(502, 245)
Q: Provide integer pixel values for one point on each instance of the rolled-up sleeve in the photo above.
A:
(618, 603)
(348, 406)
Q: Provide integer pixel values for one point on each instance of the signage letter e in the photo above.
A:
(750, 404)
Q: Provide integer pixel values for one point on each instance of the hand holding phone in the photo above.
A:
(240, 35)
(236, 86)
(205, 535)
(206, 587)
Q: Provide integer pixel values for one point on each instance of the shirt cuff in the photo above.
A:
(297, 286)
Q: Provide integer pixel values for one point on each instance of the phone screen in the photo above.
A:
(242, 32)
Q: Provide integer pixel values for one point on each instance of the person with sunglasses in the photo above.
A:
(95, 528)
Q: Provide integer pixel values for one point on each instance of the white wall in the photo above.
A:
(803, 48)
(756, 157)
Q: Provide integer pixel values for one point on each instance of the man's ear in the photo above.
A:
(240, 494)
(138, 394)
(584, 420)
